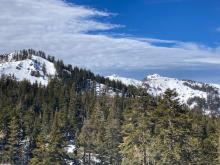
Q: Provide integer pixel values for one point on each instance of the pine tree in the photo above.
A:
(209, 141)
(72, 112)
(56, 143)
(28, 123)
(41, 152)
(92, 136)
(172, 129)
(219, 147)
(113, 136)
(44, 69)
(137, 141)
(13, 147)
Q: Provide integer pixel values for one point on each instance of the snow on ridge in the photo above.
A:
(37, 69)
(157, 85)
(50, 68)
(125, 81)
(217, 86)
(154, 76)
(28, 69)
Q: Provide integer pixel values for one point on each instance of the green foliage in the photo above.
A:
(167, 133)
(13, 146)
(137, 129)
(37, 123)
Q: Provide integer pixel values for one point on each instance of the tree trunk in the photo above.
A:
(89, 158)
(84, 155)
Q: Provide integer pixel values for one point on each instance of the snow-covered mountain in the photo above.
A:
(189, 92)
(156, 85)
(36, 67)
(125, 81)
(27, 66)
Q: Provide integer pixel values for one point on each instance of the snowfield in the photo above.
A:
(125, 81)
(156, 85)
(25, 69)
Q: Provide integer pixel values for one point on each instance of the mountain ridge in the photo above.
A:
(189, 92)
(27, 66)
(34, 66)
(75, 100)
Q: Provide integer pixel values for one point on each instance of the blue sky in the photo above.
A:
(133, 38)
(184, 20)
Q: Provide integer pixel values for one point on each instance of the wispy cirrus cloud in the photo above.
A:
(62, 29)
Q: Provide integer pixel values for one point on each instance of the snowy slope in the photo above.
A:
(30, 69)
(156, 85)
(125, 81)
(217, 86)
(34, 67)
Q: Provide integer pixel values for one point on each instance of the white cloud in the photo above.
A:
(218, 29)
(61, 29)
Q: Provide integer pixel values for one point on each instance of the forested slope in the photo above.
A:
(40, 124)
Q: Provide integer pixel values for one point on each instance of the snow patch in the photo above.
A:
(153, 76)
(125, 81)
(35, 69)
(156, 85)
(70, 148)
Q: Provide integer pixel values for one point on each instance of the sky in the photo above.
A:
(175, 38)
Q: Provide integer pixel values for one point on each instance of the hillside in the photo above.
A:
(35, 66)
(32, 67)
(191, 93)
(77, 117)
(126, 81)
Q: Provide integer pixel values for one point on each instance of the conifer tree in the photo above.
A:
(172, 129)
(40, 152)
(113, 136)
(72, 112)
(219, 147)
(44, 69)
(13, 147)
(56, 143)
(92, 135)
(137, 141)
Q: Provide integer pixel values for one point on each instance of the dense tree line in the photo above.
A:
(37, 123)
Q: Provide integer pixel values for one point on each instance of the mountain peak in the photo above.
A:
(114, 75)
(190, 93)
(154, 76)
(27, 64)
(125, 81)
